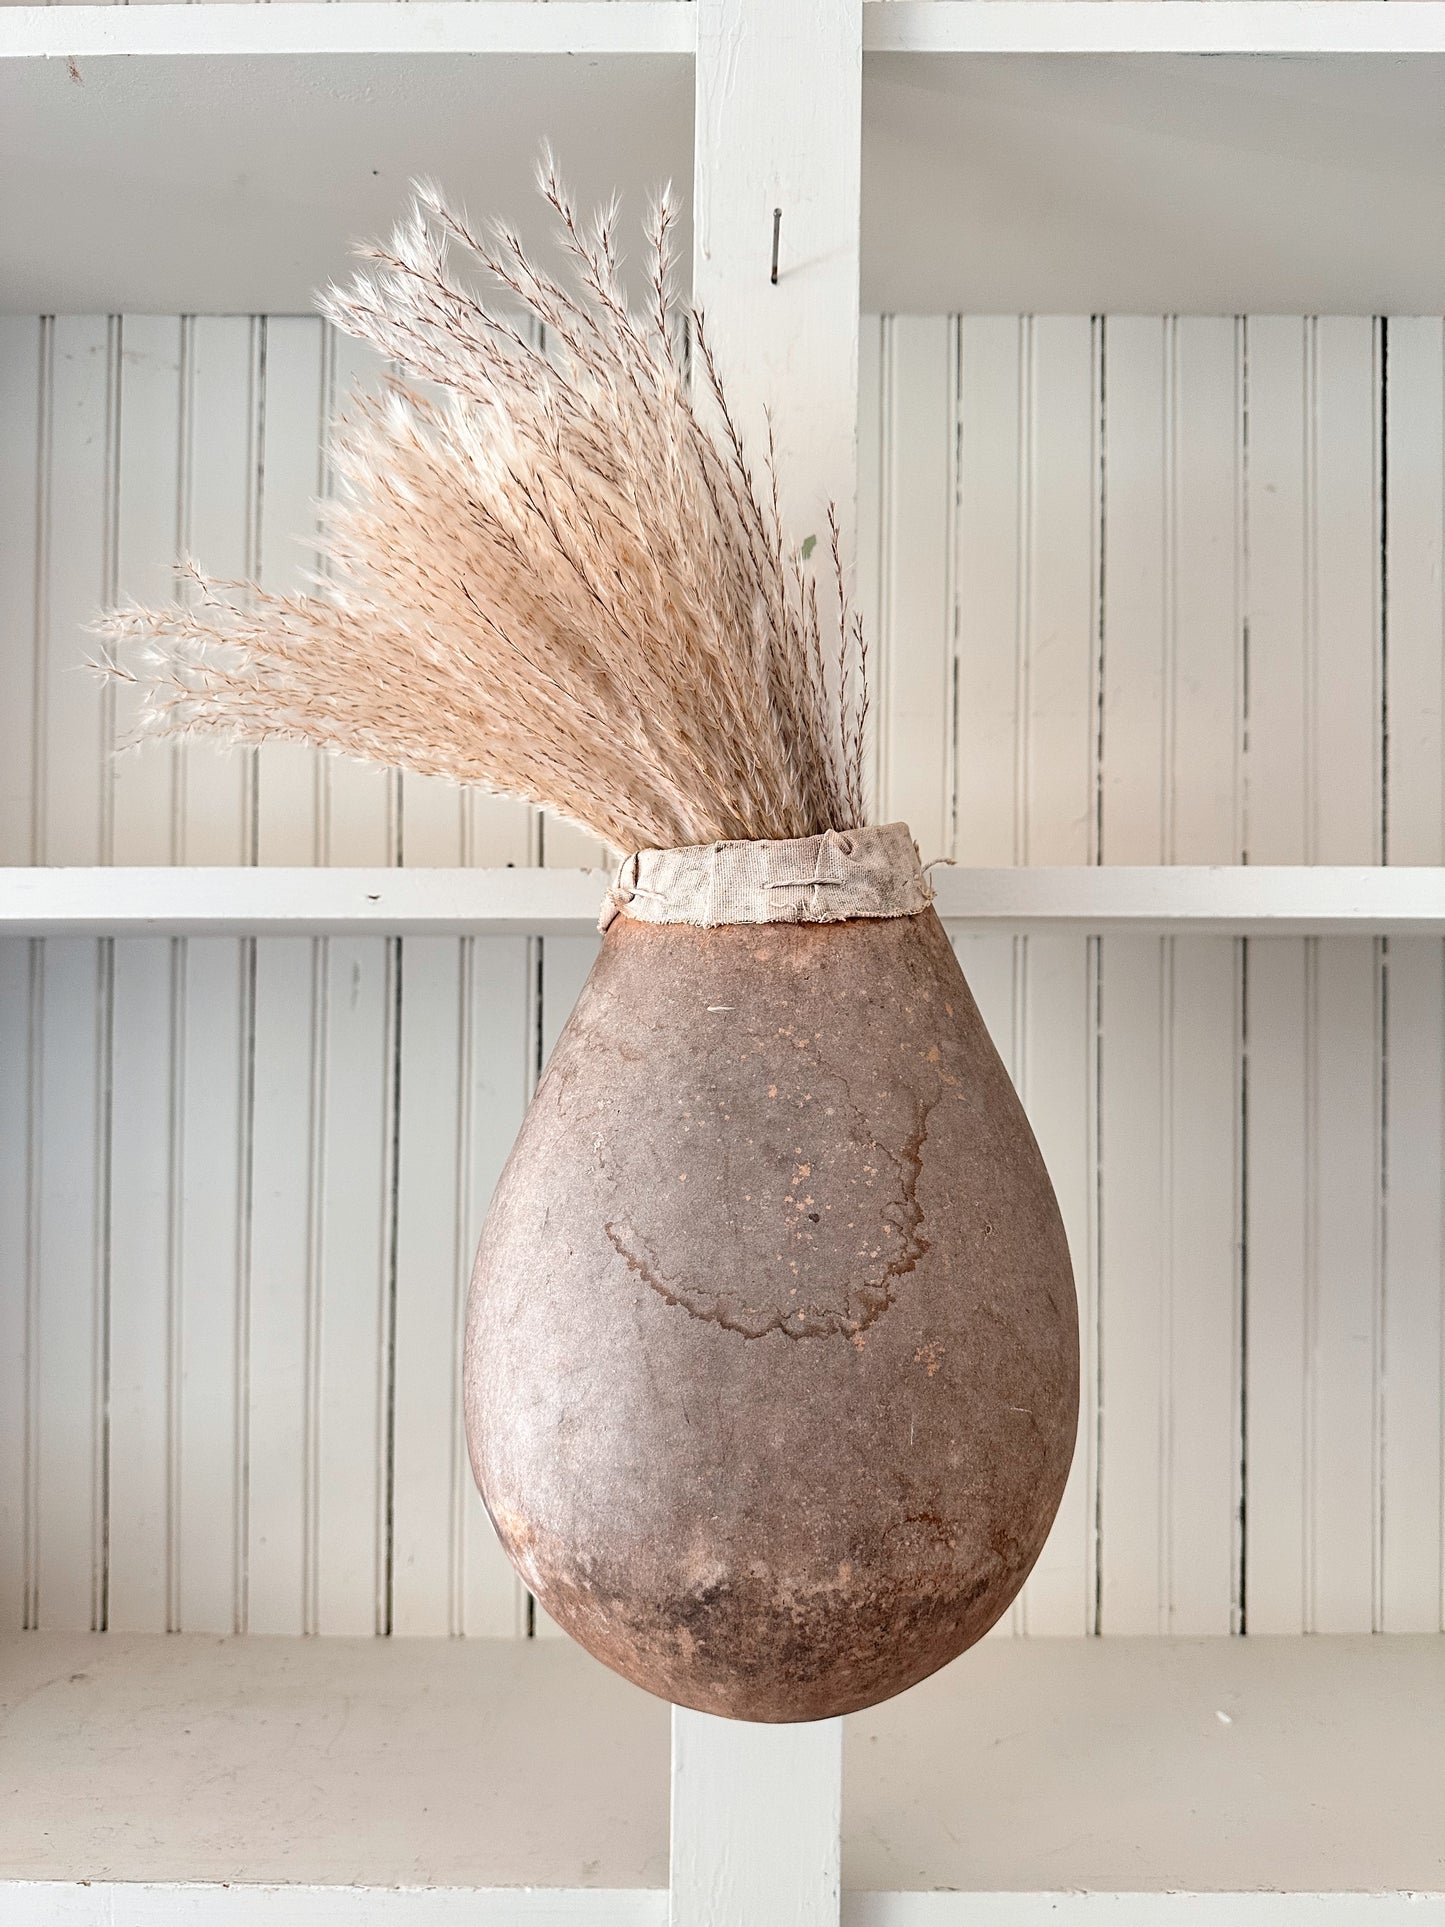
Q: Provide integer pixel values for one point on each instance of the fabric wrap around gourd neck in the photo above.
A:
(872, 871)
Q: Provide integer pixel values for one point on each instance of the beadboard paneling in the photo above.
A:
(1142, 590)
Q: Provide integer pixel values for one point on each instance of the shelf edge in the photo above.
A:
(1153, 26)
(559, 27)
(1229, 900)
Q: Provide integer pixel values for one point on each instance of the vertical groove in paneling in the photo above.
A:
(19, 1309)
(23, 409)
(1170, 641)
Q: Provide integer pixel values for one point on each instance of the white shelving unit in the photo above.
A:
(987, 156)
(1267, 1782)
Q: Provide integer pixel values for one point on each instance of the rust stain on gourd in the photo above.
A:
(740, 1146)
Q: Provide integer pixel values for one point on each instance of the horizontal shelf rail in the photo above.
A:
(1216, 901)
(1153, 26)
(354, 26)
(669, 26)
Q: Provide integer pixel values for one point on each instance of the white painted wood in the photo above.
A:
(1145, 26)
(792, 347)
(104, 1904)
(1414, 369)
(70, 1178)
(220, 482)
(1278, 513)
(290, 784)
(1138, 384)
(1224, 899)
(1060, 522)
(1136, 1002)
(756, 1817)
(1054, 820)
(1138, 151)
(361, 26)
(1202, 1308)
(913, 673)
(19, 979)
(643, 26)
(272, 902)
(427, 1464)
(1142, 1910)
(1103, 1765)
(1036, 1766)
(143, 781)
(141, 1318)
(346, 1349)
(392, 1763)
(280, 1281)
(24, 364)
(361, 805)
(1277, 1180)
(75, 572)
(1203, 673)
(1343, 590)
(993, 567)
(212, 1257)
(1204, 608)
(1136, 1023)
(788, 344)
(331, 140)
(1412, 1341)
(1342, 1446)
(1083, 182)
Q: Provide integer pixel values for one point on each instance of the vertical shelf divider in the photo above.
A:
(757, 1810)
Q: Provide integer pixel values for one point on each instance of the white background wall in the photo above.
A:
(1143, 590)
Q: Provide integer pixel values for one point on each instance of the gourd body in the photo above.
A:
(771, 1376)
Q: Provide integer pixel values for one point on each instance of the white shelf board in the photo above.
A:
(301, 128)
(1152, 26)
(321, 28)
(1285, 900)
(669, 26)
(280, 902)
(1019, 155)
(428, 1783)
(1099, 1766)
(327, 1762)
(1238, 901)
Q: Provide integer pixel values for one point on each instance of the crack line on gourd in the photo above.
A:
(756, 1321)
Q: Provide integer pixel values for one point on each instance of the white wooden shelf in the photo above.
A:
(321, 28)
(1222, 901)
(425, 1783)
(1151, 26)
(293, 902)
(1018, 156)
(566, 27)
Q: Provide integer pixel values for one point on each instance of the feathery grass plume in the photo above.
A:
(548, 573)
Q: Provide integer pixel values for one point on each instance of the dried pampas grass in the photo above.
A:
(550, 574)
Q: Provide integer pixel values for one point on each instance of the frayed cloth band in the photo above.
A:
(870, 872)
